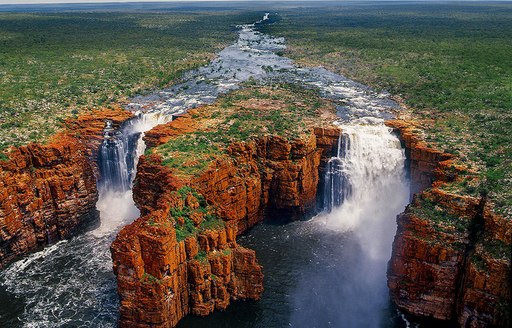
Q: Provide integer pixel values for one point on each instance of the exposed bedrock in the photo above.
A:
(48, 192)
(165, 271)
(451, 254)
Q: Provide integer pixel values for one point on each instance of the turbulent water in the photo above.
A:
(329, 271)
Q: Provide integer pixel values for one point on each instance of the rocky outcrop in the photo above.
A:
(268, 176)
(48, 192)
(179, 258)
(423, 161)
(175, 260)
(451, 253)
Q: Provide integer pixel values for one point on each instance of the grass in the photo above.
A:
(188, 228)
(450, 62)
(284, 110)
(56, 65)
(439, 217)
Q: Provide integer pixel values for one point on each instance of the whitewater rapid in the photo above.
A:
(71, 284)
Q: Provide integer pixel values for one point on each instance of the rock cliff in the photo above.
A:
(181, 256)
(48, 192)
(451, 254)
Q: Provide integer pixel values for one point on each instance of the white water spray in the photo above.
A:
(355, 232)
(373, 188)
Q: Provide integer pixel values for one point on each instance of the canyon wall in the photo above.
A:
(48, 192)
(451, 253)
(195, 266)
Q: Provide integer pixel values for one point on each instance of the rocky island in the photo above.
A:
(210, 175)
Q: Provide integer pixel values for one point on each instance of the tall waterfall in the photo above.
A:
(366, 173)
(365, 188)
(365, 185)
(117, 160)
(121, 149)
(114, 159)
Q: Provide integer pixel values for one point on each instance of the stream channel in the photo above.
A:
(329, 271)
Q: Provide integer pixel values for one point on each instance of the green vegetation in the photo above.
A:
(497, 248)
(187, 227)
(441, 220)
(284, 110)
(58, 64)
(201, 256)
(449, 62)
(149, 279)
(479, 262)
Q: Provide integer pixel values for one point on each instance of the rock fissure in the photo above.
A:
(451, 254)
(191, 249)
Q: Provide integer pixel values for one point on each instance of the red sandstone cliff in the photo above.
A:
(450, 256)
(48, 192)
(160, 278)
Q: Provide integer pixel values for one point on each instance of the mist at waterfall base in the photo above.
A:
(330, 271)
(325, 272)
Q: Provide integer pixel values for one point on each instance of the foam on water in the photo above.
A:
(71, 284)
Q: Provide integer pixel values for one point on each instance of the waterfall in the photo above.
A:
(114, 160)
(121, 149)
(365, 188)
(117, 159)
(365, 184)
(337, 185)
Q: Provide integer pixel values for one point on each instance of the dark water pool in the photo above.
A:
(314, 277)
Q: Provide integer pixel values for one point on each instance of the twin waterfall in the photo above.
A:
(71, 283)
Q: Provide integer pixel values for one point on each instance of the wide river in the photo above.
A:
(329, 271)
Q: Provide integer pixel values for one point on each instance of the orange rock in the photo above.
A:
(48, 192)
(434, 268)
(162, 279)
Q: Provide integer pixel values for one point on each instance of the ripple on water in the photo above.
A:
(71, 283)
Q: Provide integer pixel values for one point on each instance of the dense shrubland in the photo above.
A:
(55, 65)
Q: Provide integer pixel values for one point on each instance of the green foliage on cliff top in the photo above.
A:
(284, 110)
(57, 64)
(188, 228)
(450, 62)
(441, 220)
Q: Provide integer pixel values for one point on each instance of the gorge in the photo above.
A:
(181, 254)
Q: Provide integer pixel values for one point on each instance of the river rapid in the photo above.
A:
(329, 271)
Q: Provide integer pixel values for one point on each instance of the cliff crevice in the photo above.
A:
(451, 253)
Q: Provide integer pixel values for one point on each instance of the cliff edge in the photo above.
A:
(211, 174)
(451, 253)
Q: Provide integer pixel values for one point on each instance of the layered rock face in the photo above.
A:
(202, 269)
(451, 253)
(163, 276)
(48, 192)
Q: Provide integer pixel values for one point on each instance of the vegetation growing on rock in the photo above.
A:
(286, 110)
(450, 63)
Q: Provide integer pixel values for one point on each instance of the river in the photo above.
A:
(325, 272)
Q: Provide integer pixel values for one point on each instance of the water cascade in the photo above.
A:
(337, 185)
(365, 182)
(71, 284)
(365, 189)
